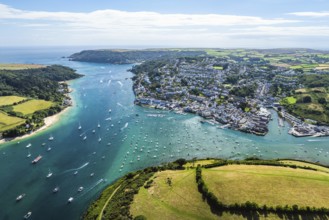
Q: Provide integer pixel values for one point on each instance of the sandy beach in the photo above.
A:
(49, 121)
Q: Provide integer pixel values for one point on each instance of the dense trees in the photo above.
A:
(40, 83)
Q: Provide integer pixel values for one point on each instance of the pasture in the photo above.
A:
(32, 106)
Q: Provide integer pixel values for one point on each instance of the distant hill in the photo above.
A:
(130, 56)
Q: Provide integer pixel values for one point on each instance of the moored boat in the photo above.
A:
(27, 215)
(36, 160)
(20, 197)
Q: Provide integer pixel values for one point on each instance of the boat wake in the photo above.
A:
(92, 187)
(312, 140)
(124, 127)
(76, 169)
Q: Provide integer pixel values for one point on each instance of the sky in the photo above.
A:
(165, 23)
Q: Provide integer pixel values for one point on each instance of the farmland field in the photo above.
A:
(268, 185)
(8, 122)
(14, 66)
(9, 100)
(32, 106)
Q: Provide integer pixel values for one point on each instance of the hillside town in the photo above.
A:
(236, 95)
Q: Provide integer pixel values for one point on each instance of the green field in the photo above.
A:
(32, 106)
(218, 67)
(268, 185)
(181, 200)
(288, 100)
(15, 66)
(8, 122)
(10, 100)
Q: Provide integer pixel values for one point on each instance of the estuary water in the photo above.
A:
(116, 137)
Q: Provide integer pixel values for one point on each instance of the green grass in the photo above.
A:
(9, 100)
(218, 67)
(304, 164)
(200, 162)
(32, 106)
(289, 100)
(268, 185)
(9, 122)
(179, 201)
(15, 66)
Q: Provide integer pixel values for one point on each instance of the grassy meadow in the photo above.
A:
(268, 185)
(10, 100)
(32, 106)
(8, 122)
(181, 200)
(16, 66)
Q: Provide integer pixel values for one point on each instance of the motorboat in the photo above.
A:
(51, 138)
(49, 174)
(70, 200)
(56, 189)
(29, 145)
(27, 215)
(80, 189)
(20, 197)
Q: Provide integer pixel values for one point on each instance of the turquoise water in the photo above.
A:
(131, 138)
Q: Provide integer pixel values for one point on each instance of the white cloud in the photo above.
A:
(106, 18)
(149, 28)
(311, 14)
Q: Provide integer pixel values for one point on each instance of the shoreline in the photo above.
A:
(49, 121)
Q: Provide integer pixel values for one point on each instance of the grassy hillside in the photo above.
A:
(266, 185)
(178, 200)
(10, 100)
(248, 189)
(18, 66)
(9, 122)
(32, 106)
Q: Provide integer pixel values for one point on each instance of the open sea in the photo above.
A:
(116, 137)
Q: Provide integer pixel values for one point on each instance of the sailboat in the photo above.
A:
(79, 128)
(98, 125)
(49, 173)
(28, 155)
(99, 139)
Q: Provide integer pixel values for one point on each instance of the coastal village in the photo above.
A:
(237, 95)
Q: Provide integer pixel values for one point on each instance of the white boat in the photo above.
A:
(27, 215)
(99, 139)
(51, 138)
(79, 128)
(20, 197)
(80, 189)
(49, 174)
(75, 173)
(28, 155)
(29, 145)
(56, 189)
(92, 174)
(85, 137)
(70, 200)
(110, 110)
(94, 131)
(49, 149)
(98, 125)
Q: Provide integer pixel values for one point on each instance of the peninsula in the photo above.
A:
(29, 94)
(234, 87)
